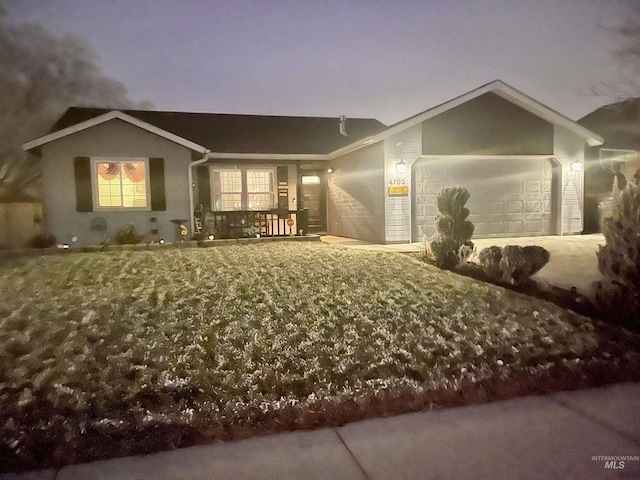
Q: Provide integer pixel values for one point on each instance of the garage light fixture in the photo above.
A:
(401, 167)
(576, 166)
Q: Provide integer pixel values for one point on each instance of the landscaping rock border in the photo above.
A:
(6, 255)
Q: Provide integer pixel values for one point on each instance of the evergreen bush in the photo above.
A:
(451, 244)
(513, 264)
(618, 293)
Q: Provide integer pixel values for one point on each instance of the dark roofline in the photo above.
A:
(102, 110)
(242, 133)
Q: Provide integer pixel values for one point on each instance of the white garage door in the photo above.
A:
(510, 197)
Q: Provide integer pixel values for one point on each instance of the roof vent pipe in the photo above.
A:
(343, 126)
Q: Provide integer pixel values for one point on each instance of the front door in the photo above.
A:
(314, 199)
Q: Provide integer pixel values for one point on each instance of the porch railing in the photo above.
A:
(250, 223)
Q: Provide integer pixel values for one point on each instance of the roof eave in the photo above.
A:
(499, 88)
(105, 117)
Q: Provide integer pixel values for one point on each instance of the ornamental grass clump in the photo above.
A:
(451, 244)
(618, 293)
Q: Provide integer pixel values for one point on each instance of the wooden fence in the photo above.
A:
(19, 222)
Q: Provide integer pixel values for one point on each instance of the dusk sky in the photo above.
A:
(361, 58)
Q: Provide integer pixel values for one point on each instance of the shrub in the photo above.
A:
(128, 235)
(619, 258)
(453, 230)
(42, 240)
(490, 258)
(513, 264)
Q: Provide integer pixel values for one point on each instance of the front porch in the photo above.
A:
(250, 223)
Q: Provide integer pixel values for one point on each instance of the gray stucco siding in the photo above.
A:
(356, 195)
(487, 125)
(115, 139)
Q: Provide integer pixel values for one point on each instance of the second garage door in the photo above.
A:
(510, 197)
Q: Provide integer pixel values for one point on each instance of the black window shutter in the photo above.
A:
(156, 180)
(283, 176)
(82, 172)
(204, 186)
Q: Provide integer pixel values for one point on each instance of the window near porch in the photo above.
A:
(243, 189)
(121, 183)
(260, 189)
(227, 188)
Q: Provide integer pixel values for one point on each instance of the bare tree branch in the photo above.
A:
(41, 75)
(627, 53)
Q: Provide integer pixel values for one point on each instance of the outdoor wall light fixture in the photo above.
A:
(161, 241)
(576, 166)
(211, 237)
(329, 170)
(401, 167)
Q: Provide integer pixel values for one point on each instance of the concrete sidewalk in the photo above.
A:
(573, 259)
(541, 437)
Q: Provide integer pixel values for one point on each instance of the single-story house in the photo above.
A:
(226, 174)
(618, 157)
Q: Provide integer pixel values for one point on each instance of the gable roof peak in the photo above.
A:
(511, 94)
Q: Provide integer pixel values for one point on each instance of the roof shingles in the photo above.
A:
(231, 133)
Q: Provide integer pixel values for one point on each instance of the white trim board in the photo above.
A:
(266, 156)
(489, 157)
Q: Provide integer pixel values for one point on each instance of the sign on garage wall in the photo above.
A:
(398, 191)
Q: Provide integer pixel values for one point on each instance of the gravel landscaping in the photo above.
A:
(116, 353)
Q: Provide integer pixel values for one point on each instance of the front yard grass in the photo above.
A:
(109, 354)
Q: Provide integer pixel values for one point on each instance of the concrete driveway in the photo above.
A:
(573, 259)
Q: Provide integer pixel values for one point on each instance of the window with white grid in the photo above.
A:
(227, 189)
(243, 188)
(260, 189)
(121, 183)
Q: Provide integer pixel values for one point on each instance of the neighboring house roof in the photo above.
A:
(618, 123)
(226, 133)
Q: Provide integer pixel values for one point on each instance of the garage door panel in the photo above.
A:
(515, 227)
(479, 229)
(496, 208)
(496, 228)
(534, 186)
(514, 206)
(533, 226)
(533, 206)
(514, 186)
(509, 197)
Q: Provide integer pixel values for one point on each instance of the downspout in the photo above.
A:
(204, 158)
